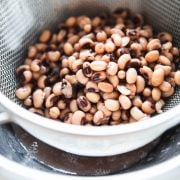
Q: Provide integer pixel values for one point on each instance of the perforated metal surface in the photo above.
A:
(22, 21)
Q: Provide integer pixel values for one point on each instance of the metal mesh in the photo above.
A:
(22, 21)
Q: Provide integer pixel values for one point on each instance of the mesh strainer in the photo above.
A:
(20, 24)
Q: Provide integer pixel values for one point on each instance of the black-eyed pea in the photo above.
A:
(125, 102)
(121, 74)
(93, 109)
(116, 115)
(156, 94)
(84, 41)
(112, 95)
(112, 105)
(38, 98)
(125, 41)
(78, 118)
(105, 87)
(63, 72)
(53, 55)
(68, 48)
(89, 117)
(106, 58)
(177, 77)
(143, 42)
(167, 46)
(54, 112)
(23, 92)
(83, 103)
(123, 90)
(35, 65)
(125, 115)
(66, 88)
(152, 56)
(64, 113)
(164, 60)
(109, 46)
(146, 92)
(99, 48)
(98, 65)
(87, 70)
(92, 87)
(140, 84)
(45, 36)
(154, 44)
(101, 36)
(175, 51)
(71, 21)
(146, 72)
(159, 105)
(168, 93)
(165, 86)
(116, 39)
(99, 76)
(71, 79)
(147, 107)
(37, 111)
(68, 118)
(132, 88)
(64, 63)
(113, 80)
(32, 52)
(51, 100)
(168, 55)
(136, 113)
(112, 68)
(123, 60)
(73, 39)
(164, 37)
(93, 97)
(98, 117)
(157, 77)
(167, 69)
(137, 101)
(131, 75)
(80, 77)
(61, 104)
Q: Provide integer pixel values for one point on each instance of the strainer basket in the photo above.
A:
(20, 24)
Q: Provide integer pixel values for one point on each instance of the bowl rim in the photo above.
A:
(165, 168)
(14, 109)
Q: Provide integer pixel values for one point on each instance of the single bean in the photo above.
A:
(157, 77)
(140, 84)
(165, 86)
(99, 48)
(154, 44)
(57, 88)
(28, 101)
(98, 76)
(131, 75)
(71, 21)
(146, 92)
(168, 93)
(68, 48)
(156, 94)
(53, 55)
(45, 36)
(98, 65)
(89, 117)
(167, 69)
(32, 52)
(83, 103)
(73, 105)
(112, 105)
(116, 115)
(123, 90)
(80, 77)
(54, 112)
(98, 117)
(147, 107)
(38, 98)
(93, 97)
(158, 106)
(152, 56)
(37, 111)
(112, 68)
(164, 60)
(121, 74)
(87, 70)
(92, 87)
(109, 46)
(61, 104)
(125, 102)
(23, 92)
(101, 36)
(177, 77)
(137, 114)
(105, 87)
(102, 107)
(78, 118)
(116, 39)
(137, 101)
(164, 37)
(122, 61)
(125, 41)
(113, 80)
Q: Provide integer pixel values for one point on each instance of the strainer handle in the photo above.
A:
(4, 117)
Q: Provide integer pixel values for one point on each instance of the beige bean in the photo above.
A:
(32, 52)
(154, 44)
(38, 98)
(131, 75)
(51, 100)
(93, 97)
(61, 104)
(71, 21)
(98, 76)
(140, 84)
(147, 107)
(156, 94)
(167, 46)
(68, 49)
(121, 74)
(105, 87)
(112, 68)
(137, 101)
(137, 114)
(53, 55)
(125, 41)
(63, 72)
(80, 77)
(167, 69)
(113, 95)
(35, 65)
(164, 60)
(143, 42)
(78, 118)
(76, 65)
(113, 80)
(99, 48)
(93, 109)
(102, 107)
(132, 88)
(125, 102)
(92, 87)
(122, 61)
(177, 77)
(123, 90)
(98, 117)
(83, 103)
(159, 105)
(109, 46)
(98, 65)
(116, 39)
(66, 89)
(168, 93)
(146, 72)
(47, 91)
(146, 92)
(73, 105)
(116, 115)
(157, 77)
(23, 92)
(71, 79)
(112, 105)
(28, 101)
(84, 41)
(101, 36)
(165, 86)
(89, 117)
(57, 89)
(152, 56)
(54, 112)
(73, 39)
(45, 36)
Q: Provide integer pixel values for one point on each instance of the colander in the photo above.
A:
(21, 23)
